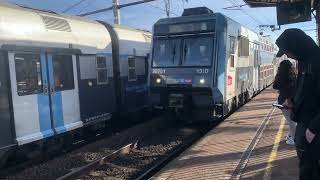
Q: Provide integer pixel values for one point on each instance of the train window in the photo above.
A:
(28, 74)
(63, 72)
(132, 76)
(88, 67)
(232, 45)
(166, 52)
(256, 57)
(102, 71)
(232, 61)
(243, 47)
(197, 52)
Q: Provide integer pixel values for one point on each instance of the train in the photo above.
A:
(205, 65)
(61, 74)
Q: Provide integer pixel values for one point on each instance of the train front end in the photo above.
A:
(183, 68)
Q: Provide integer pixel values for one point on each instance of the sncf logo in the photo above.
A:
(229, 80)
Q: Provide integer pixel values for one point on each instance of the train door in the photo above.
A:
(7, 137)
(30, 96)
(96, 88)
(136, 87)
(44, 94)
(62, 74)
(256, 71)
(231, 67)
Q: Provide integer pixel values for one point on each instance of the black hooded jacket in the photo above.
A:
(307, 97)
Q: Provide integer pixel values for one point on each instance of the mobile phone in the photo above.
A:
(277, 105)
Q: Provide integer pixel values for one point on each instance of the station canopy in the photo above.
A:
(288, 11)
(268, 3)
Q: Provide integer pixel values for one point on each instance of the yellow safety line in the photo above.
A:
(274, 152)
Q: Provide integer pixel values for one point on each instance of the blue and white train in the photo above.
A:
(205, 63)
(60, 73)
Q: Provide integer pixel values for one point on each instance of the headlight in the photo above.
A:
(201, 81)
(158, 80)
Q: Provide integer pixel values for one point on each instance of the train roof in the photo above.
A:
(205, 14)
(26, 26)
(133, 41)
(182, 19)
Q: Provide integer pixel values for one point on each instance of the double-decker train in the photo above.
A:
(205, 64)
(61, 73)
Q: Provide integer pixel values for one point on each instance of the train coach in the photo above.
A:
(206, 64)
(61, 73)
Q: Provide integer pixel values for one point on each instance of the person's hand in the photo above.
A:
(288, 104)
(309, 136)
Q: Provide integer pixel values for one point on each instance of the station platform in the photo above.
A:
(249, 144)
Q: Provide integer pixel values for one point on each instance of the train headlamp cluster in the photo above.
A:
(158, 80)
(196, 81)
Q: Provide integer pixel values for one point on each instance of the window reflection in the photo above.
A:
(28, 74)
(102, 71)
(198, 52)
(63, 72)
(166, 52)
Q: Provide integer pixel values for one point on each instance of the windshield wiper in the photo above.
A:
(185, 49)
(174, 54)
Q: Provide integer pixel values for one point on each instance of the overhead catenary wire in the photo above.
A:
(119, 7)
(235, 4)
(73, 6)
(253, 18)
(164, 10)
(86, 7)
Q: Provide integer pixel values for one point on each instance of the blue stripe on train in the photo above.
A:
(58, 113)
(57, 108)
(44, 116)
(43, 104)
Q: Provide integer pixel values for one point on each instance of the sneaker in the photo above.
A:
(287, 137)
(290, 141)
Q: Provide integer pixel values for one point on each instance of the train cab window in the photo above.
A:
(132, 76)
(243, 47)
(102, 71)
(232, 45)
(63, 72)
(197, 52)
(232, 61)
(166, 52)
(28, 74)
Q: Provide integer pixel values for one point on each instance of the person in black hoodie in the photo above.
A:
(285, 81)
(306, 102)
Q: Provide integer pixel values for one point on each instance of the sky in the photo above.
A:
(145, 15)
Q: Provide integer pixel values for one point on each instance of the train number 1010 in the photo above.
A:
(202, 71)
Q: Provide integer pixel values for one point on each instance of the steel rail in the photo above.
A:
(99, 162)
(175, 153)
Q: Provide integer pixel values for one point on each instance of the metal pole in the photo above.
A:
(167, 5)
(116, 11)
(318, 20)
(112, 7)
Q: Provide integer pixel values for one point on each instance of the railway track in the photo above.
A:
(59, 165)
(125, 158)
(159, 142)
(125, 162)
(171, 156)
(156, 143)
(99, 162)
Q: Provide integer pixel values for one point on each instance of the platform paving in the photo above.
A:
(249, 144)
